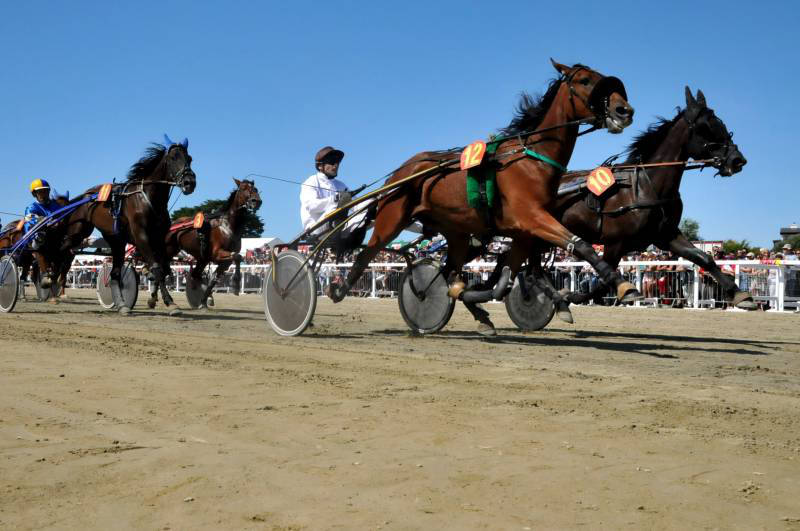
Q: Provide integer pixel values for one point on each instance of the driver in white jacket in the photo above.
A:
(323, 192)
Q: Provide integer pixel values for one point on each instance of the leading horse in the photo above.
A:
(527, 182)
(646, 207)
(136, 212)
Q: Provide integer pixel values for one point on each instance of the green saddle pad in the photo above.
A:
(483, 174)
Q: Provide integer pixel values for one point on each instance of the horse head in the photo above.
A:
(247, 195)
(709, 137)
(178, 166)
(594, 95)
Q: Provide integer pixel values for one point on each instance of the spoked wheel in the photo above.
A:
(425, 306)
(111, 295)
(9, 284)
(529, 308)
(195, 290)
(290, 294)
(104, 295)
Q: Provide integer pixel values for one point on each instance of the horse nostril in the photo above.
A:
(623, 110)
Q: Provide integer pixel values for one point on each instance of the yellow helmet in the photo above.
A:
(39, 184)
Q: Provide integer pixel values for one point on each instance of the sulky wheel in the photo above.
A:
(195, 290)
(424, 303)
(531, 308)
(290, 294)
(104, 295)
(111, 295)
(9, 284)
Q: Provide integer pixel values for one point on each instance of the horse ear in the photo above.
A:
(167, 141)
(690, 101)
(237, 181)
(185, 143)
(701, 98)
(561, 69)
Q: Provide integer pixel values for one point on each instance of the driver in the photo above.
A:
(323, 192)
(43, 206)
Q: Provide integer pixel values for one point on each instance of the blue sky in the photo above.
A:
(260, 86)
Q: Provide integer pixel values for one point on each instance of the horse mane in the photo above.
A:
(229, 201)
(648, 141)
(530, 110)
(145, 166)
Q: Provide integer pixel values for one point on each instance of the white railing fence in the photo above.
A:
(673, 283)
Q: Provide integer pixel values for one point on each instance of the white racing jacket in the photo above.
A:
(318, 197)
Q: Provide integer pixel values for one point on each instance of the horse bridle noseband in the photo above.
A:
(717, 160)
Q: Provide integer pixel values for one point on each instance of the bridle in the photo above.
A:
(719, 151)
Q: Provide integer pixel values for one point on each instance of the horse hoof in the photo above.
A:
(124, 310)
(151, 303)
(335, 292)
(46, 282)
(487, 330)
(563, 313)
(744, 301)
(53, 300)
(627, 293)
(456, 289)
(210, 303)
(175, 312)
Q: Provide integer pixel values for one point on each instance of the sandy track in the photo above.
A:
(630, 418)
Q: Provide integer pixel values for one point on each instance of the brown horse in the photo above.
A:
(527, 182)
(136, 213)
(219, 241)
(645, 207)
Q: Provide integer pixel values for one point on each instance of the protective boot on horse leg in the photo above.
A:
(681, 246)
(625, 291)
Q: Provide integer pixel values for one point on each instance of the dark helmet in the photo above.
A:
(328, 154)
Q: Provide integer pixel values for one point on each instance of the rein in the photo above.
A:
(693, 165)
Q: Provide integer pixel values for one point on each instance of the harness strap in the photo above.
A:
(635, 206)
(544, 158)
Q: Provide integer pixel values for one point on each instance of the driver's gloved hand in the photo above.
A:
(344, 198)
(37, 241)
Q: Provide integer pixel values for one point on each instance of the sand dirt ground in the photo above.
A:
(631, 418)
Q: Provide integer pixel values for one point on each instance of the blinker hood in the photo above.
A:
(598, 99)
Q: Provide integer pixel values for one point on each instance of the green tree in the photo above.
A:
(253, 225)
(732, 246)
(690, 228)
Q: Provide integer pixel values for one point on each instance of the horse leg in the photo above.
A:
(237, 274)
(222, 267)
(118, 259)
(153, 300)
(684, 248)
(392, 218)
(45, 276)
(460, 252)
(543, 225)
(152, 251)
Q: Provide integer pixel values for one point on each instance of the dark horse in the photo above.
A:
(136, 213)
(220, 243)
(645, 207)
(527, 182)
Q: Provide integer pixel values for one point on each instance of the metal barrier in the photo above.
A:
(677, 283)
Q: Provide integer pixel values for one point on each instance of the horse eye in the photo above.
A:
(584, 81)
